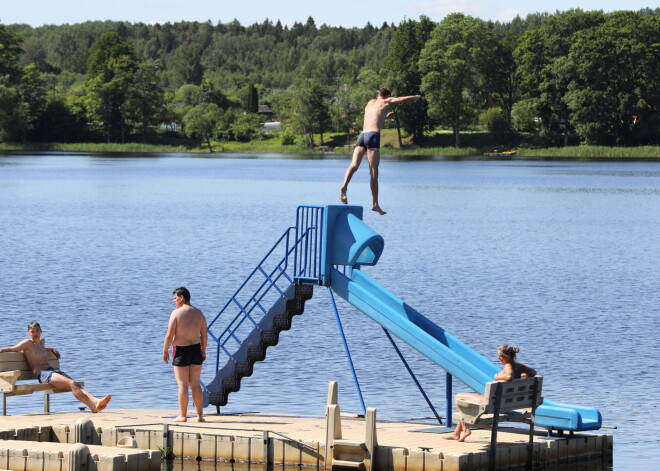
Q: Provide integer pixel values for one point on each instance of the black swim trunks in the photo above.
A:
(370, 140)
(188, 355)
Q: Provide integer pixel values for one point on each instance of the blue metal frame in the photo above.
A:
(307, 256)
(412, 375)
(348, 352)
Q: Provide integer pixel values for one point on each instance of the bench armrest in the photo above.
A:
(469, 411)
(8, 380)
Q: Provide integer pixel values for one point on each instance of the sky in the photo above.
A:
(346, 13)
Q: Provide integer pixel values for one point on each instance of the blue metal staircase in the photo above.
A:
(265, 303)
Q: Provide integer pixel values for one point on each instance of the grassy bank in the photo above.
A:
(94, 147)
(594, 152)
(336, 144)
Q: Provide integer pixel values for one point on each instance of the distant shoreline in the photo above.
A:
(573, 153)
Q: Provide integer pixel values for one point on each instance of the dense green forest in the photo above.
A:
(560, 79)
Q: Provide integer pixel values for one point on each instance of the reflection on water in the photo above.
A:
(560, 258)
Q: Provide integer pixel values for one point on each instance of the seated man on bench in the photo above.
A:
(36, 354)
(512, 370)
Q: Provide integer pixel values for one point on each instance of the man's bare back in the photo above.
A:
(188, 324)
(375, 113)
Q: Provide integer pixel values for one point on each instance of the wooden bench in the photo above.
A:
(504, 401)
(14, 368)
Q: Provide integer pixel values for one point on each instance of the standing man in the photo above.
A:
(186, 333)
(375, 113)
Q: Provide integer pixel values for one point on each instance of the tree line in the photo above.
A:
(572, 76)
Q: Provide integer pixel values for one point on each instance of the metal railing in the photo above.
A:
(307, 256)
(270, 279)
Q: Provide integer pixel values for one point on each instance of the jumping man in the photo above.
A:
(375, 113)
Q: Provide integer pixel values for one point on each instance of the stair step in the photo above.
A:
(348, 443)
(257, 353)
(347, 464)
(218, 399)
(270, 338)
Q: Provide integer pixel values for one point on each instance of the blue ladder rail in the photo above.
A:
(269, 281)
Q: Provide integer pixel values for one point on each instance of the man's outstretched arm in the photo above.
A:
(19, 347)
(403, 99)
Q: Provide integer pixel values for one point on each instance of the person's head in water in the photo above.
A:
(384, 93)
(182, 292)
(508, 351)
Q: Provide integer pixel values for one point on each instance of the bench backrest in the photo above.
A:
(516, 394)
(11, 361)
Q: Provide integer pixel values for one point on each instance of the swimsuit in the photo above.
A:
(46, 373)
(370, 140)
(516, 370)
(187, 355)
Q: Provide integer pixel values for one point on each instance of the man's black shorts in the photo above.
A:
(188, 355)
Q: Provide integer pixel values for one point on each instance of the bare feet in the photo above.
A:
(452, 436)
(99, 406)
(466, 433)
(378, 210)
(201, 419)
(181, 419)
(342, 196)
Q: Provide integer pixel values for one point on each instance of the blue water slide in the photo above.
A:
(351, 244)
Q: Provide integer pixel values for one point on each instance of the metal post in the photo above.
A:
(492, 452)
(448, 400)
(348, 353)
(166, 433)
(266, 449)
(419, 386)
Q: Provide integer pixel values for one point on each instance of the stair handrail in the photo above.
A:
(306, 251)
(307, 259)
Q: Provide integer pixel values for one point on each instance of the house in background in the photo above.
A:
(266, 112)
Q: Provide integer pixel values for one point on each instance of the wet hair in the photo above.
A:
(182, 292)
(509, 350)
(34, 325)
(384, 93)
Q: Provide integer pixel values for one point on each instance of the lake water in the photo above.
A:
(560, 258)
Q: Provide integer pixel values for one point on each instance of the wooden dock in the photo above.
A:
(296, 440)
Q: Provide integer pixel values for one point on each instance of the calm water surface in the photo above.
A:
(560, 258)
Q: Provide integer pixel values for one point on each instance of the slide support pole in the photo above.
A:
(348, 352)
(412, 375)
